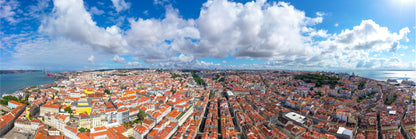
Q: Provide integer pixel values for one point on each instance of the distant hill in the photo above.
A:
(18, 71)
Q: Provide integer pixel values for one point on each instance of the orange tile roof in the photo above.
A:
(71, 129)
(173, 113)
(141, 129)
(15, 102)
(84, 135)
(100, 128)
(122, 110)
(56, 106)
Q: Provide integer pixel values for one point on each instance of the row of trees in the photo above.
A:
(197, 79)
(390, 101)
(84, 130)
(6, 100)
(318, 79)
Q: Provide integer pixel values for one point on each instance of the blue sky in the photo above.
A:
(214, 34)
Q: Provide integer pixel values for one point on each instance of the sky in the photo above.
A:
(325, 35)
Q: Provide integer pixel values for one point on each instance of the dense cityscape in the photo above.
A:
(207, 69)
(210, 104)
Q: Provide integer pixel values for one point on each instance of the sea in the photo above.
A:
(12, 82)
(384, 75)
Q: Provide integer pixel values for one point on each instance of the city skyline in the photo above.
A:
(213, 34)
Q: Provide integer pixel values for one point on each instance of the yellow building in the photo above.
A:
(82, 106)
(82, 110)
(89, 91)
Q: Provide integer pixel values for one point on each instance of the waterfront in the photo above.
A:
(12, 82)
(384, 75)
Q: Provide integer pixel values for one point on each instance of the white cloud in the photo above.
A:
(118, 59)
(39, 52)
(183, 58)
(120, 5)
(161, 2)
(94, 10)
(369, 36)
(71, 20)
(133, 63)
(7, 10)
(155, 40)
(319, 33)
(320, 13)
(91, 59)
(276, 32)
(336, 24)
(38, 10)
(253, 29)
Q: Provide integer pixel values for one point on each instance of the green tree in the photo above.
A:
(361, 85)
(221, 79)
(68, 109)
(10, 98)
(107, 91)
(141, 114)
(82, 129)
(391, 100)
(197, 79)
(6, 99)
(27, 97)
(173, 91)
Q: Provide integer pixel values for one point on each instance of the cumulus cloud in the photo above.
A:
(370, 36)
(273, 31)
(183, 58)
(118, 59)
(70, 19)
(155, 40)
(253, 29)
(351, 48)
(120, 5)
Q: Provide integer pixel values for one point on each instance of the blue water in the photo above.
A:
(384, 75)
(12, 82)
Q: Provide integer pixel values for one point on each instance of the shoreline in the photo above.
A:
(37, 83)
(18, 71)
(26, 87)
